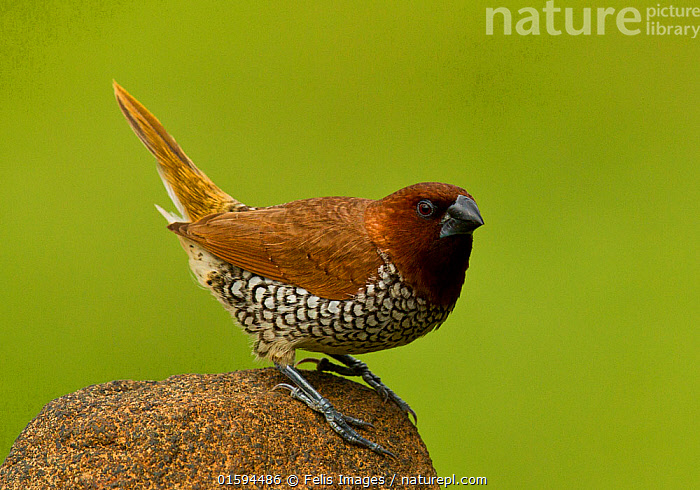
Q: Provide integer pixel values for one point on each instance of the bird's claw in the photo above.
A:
(312, 360)
(325, 365)
(355, 367)
(298, 394)
(340, 423)
(386, 393)
(284, 385)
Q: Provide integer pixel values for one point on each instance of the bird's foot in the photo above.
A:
(341, 424)
(355, 367)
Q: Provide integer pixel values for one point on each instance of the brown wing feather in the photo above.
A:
(318, 244)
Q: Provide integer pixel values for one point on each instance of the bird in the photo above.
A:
(340, 276)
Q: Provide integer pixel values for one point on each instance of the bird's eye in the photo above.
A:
(425, 208)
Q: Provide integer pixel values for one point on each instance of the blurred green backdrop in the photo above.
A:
(572, 358)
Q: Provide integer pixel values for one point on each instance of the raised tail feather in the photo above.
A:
(192, 192)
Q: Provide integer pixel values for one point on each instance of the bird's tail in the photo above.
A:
(192, 192)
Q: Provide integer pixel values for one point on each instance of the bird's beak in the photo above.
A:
(462, 218)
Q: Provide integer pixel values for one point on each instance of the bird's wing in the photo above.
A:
(318, 244)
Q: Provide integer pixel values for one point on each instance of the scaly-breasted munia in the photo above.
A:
(338, 275)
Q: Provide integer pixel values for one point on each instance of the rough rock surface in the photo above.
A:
(199, 431)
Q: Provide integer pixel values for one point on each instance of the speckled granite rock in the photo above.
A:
(197, 431)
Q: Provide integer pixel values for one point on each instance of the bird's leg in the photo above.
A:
(355, 367)
(303, 391)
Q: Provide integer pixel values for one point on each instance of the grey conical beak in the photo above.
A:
(462, 218)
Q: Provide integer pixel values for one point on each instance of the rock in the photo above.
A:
(200, 431)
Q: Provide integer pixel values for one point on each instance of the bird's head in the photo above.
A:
(426, 230)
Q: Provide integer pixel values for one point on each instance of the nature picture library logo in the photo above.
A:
(655, 20)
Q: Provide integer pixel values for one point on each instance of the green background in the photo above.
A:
(571, 359)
